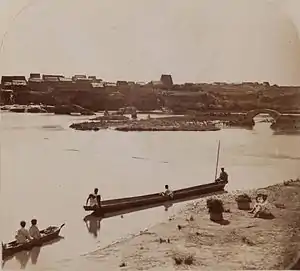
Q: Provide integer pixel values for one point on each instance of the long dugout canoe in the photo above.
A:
(115, 205)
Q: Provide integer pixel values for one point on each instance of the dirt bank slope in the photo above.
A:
(245, 243)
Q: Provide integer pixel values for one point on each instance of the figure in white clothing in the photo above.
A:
(168, 192)
(22, 235)
(34, 230)
(94, 199)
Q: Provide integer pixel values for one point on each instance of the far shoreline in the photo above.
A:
(160, 121)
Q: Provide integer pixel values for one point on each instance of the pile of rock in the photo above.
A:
(167, 125)
(111, 118)
(122, 123)
(89, 126)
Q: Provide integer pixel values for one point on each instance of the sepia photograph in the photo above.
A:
(149, 135)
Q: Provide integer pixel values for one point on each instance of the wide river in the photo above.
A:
(47, 171)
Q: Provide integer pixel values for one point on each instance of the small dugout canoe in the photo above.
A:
(48, 235)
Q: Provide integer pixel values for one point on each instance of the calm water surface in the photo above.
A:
(47, 170)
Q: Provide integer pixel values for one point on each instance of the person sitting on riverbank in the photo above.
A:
(168, 192)
(260, 205)
(223, 176)
(23, 235)
(34, 230)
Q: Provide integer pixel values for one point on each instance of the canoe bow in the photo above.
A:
(62, 225)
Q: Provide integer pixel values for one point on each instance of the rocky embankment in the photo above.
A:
(191, 241)
(110, 118)
(240, 122)
(205, 121)
(167, 125)
(101, 122)
(121, 123)
(230, 119)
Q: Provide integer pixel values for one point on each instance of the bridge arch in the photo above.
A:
(271, 112)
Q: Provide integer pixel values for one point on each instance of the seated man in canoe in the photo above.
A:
(223, 176)
(34, 230)
(94, 199)
(168, 192)
(23, 235)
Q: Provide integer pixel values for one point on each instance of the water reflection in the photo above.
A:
(287, 133)
(23, 256)
(93, 224)
(34, 255)
(51, 127)
(167, 205)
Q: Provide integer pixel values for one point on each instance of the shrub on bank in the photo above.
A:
(215, 206)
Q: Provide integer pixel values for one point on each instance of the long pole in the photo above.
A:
(217, 163)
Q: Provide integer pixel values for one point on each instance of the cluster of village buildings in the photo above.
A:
(46, 82)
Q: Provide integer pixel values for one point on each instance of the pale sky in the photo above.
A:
(194, 40)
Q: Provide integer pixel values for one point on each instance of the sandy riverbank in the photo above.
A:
(245, 243)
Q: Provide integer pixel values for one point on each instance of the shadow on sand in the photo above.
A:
(223, 222)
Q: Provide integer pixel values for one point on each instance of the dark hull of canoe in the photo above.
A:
(110, 206)
(166, 205)
(11, 248)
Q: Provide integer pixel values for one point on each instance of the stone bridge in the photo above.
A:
(271, 112)
(290, 121)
